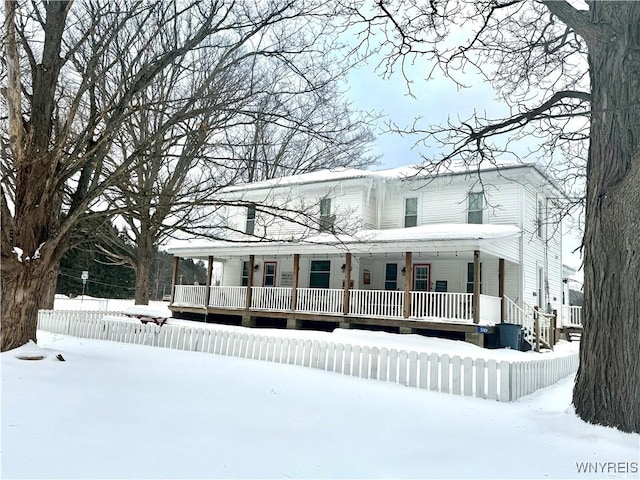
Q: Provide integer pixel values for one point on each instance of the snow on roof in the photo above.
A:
(390, 239)
(405, 172)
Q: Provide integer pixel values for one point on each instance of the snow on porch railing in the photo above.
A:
(190, 295)
(503, 381)
(442, 305)
(376, 303)
(320, 300)
(571, 316)
(228, 297)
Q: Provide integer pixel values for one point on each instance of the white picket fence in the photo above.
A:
(503, 381)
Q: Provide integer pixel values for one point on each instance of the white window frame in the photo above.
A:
(479, 195)
(404, 222)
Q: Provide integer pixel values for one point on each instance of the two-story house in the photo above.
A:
(450, 254)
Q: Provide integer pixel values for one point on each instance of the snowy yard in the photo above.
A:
(115, 410)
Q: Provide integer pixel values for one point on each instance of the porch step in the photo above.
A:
(574, 336)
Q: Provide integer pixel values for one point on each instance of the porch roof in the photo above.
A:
(440, 237)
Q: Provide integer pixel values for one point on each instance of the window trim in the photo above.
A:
(479, 195)
(251, 220)
(414, 267)
(406, 215)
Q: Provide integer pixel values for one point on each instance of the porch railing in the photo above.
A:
(490, 309)
(364, 303)
(271, 298)
(376, 303)
(537, 326)
(320, 300)
(228, 297)
(442, 305)
(190, 295)
(571, 316)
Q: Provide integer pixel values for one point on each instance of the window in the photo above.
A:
(320, 273)
(326, 219)
(470, 277)
(410, 212)
(391, 276)
(541, 220)
(269, 274)
(245, 273)
(251, 219)
(476, 200)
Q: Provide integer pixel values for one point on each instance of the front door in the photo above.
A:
(422, 277)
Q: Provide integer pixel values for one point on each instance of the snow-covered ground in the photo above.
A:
(113, 410)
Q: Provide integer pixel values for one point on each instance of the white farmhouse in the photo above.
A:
(452, 253)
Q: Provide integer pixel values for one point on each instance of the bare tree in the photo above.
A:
(288, 132)
(239, 107)
(569, 76)
(75, 74)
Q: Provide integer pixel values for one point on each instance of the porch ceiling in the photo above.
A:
(439, 239)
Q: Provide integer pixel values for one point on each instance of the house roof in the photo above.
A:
(441, 237)
(401, 173)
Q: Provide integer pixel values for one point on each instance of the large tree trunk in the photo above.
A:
(23, 288)
(143, 263)
(607, 389)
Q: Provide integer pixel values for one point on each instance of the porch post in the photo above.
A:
(174, 278)
(347, 284)
(252, 259)
(476, 286)
(501, 289)
(294, 287)
(408, 283)
(207, 294)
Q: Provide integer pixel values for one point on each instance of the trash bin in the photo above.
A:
(510, 335)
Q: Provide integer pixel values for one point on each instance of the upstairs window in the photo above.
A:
(476, 203)
(410, 212)
(251, 219)
(327, 220)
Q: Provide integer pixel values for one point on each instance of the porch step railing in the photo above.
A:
(537, 326)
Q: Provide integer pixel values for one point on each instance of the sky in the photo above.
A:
(433, 102)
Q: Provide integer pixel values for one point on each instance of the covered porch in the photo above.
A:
(418, 278)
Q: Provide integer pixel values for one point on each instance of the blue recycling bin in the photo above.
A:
(510, 335)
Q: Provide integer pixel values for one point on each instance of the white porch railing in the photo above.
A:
(364, 303)
(190, 295)
(271, 298)
(228, 297)
(490, 309)
(571, 316)
(376, 303)
(442, 305)
(320, 300)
